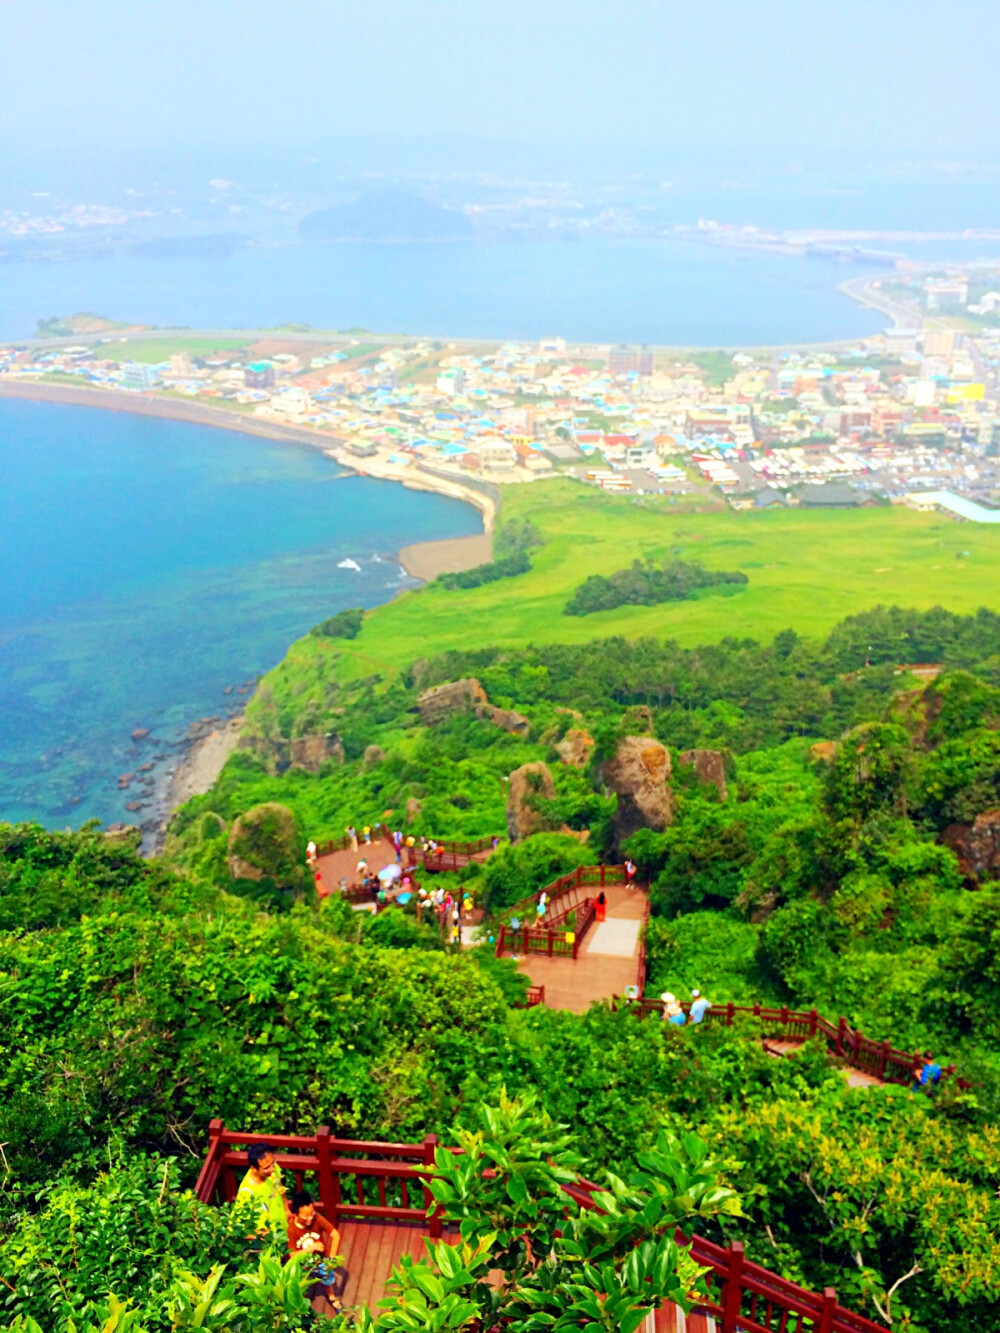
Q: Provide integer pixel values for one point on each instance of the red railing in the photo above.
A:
(742, 1296)
(880, 1059)
(535, 995)
(354, 1179)
(564, 897)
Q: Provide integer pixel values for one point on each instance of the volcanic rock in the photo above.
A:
(312, 752)
(374, 754)
(124, 780)
(526, 784)
(452, 697)
(638, 773)
(140, 733)
(575, 748)
(977, 846)
(709, 767)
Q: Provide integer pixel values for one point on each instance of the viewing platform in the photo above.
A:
(376, 1194)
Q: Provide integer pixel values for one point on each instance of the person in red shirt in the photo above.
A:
(309, 1233)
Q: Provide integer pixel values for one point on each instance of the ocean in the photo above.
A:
(666, 292)
(145, 566)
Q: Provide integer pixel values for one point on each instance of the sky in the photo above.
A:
(853, 78)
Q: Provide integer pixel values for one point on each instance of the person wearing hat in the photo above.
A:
(699, 1006)
(672, 1012)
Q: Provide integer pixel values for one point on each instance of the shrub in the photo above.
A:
(344, 625)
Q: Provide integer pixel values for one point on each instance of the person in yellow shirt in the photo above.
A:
(262, 1187)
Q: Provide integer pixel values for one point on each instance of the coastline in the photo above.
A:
(202, 762)
(441, 556)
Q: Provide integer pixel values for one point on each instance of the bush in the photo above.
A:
(506, 568)
(344, 625)
(646, 584)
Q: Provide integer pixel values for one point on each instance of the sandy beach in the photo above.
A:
(426, 560)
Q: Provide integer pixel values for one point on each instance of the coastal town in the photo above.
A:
(911, 415)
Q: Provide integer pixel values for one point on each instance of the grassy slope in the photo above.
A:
(153, 351)
(806, 569)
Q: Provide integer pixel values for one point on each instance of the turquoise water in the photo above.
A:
(145, 565)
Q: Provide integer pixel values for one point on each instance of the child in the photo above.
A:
(309, 1233)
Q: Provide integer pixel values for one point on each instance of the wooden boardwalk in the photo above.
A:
(598, 973)
(371, 1251)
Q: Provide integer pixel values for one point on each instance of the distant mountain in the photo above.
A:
(386, 215)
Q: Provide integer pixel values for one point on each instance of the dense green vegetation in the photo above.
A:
(344, 625)
(508, 567)
(141, 998)
(807, 570)
(646, 583)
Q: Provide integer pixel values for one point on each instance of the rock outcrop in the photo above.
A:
(374, 754)
(823, 752)
(123, 835)
(413, 808)
(524, 784)
(265, 841)
(709, 767)
(637, 772)
(468, 695)
(575, 748)
(453, 697)
(977, 846)
(306, 752)
(505, 718)
(312, 752)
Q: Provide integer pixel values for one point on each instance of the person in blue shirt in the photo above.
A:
(927, 1076)
(672, 1012)
(699, 1006)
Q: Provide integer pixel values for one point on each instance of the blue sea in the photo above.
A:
(668, 292)
(145, 566)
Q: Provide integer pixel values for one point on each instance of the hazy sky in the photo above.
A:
(867, 76)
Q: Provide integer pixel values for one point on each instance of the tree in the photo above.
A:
(515, 1193)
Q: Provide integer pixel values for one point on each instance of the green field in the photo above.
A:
(154, 350)
(807, 570)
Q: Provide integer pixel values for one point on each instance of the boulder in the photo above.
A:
(977, 846)
(709, 767)
(124, 835)
(823, 752)
(374, 754)
(525, 783)
(265, 841)
(452, 697)
(140, 733)
(575, 748)
(413, 808)
(505, 718)
(312, 752)
(637, 773)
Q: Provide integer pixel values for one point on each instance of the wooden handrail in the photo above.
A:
(878, 1058)
(743, 1297)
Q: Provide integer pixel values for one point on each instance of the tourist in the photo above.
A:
(602, 905)
(927, 1074)
(310, 853)
(467, 906)
(672, 1012)
(310, 1233)
(361, 870)
(629, 873)
(699, 1007)
(410, 855)
(352, 833)
(321, 889)
(366, 833)
(262, 1187)
(543, 899)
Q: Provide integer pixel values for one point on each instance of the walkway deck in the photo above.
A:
(608, 960)
(371, 1251)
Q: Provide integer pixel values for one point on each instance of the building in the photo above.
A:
(259, 375)
(138, 375)
(180, 364)
(948, 294)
